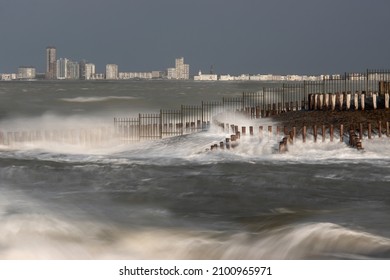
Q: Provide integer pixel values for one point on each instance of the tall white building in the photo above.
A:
(73, 70)
(62, 68)
(112, 72)
(180, 72)
(90, 71)
(51, 53)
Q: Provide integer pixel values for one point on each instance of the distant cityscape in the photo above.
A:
(68, 69)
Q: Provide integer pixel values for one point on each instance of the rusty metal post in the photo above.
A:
(331, 132)
(369, 130)
(323, 133)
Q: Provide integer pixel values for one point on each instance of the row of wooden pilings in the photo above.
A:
(355, 134)
(348, 101)
(269, 110)
(91, 136)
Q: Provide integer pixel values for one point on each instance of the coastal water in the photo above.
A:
(169, 199)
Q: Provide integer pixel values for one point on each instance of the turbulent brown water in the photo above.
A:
(169, 199)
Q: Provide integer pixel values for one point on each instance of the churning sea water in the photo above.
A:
(169, 199)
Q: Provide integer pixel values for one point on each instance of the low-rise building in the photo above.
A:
(135, 75)
(8, 76)
(206, 77)
(26, 73)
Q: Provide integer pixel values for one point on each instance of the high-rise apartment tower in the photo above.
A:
(51, 63)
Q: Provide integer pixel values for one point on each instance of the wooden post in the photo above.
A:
(227, 128)
(387, 100)
(323, 133)
(227, 143)
(341, 133)
(221, 145)
(320, 101)
(369, 130)
(304, 134)
(238, 135)
(243, 130)
(269, 131)
(361, 130)
(379, 128)
(315, 133)
(387, 129)
(331, 132)
(362, 101)
(333, 98)
(341, 99)
(283, 145)
(235, 129)
(291, 137)
(374, 100)
(348, 101)
(326, 101)
(294, 132)
(251, 130)
(257, 112)
(356, 100)
(261, 131)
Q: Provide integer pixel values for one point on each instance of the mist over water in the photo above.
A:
(172, 199)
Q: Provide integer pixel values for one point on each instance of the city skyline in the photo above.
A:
(68, 69)
(249, 36)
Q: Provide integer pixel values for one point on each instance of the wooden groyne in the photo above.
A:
(316, 133)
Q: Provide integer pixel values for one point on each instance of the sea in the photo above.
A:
(171, 198)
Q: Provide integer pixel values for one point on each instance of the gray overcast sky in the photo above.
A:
(236, 36)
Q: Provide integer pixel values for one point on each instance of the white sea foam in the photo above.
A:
(45, 236)
(82, 99)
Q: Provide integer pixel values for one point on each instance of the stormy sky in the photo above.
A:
(236, 36)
